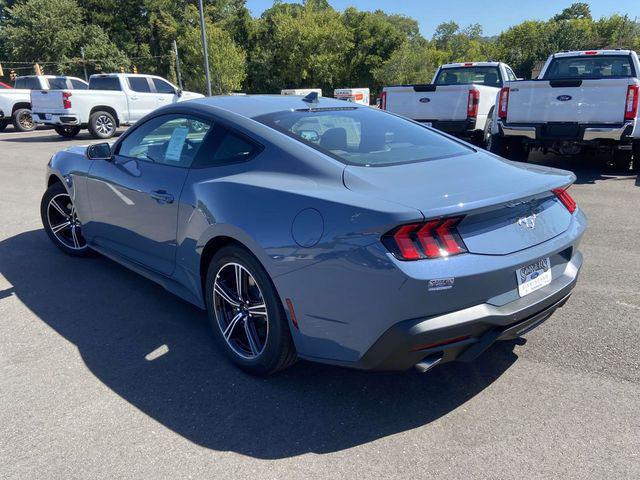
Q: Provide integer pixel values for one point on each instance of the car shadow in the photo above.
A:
(157, 353)
(587, 168)
(53, 137)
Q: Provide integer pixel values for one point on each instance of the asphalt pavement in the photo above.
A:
(103, 374)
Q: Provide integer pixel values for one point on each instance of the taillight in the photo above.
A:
(565, 198)
(431, 239)
(631, 105)
(503, 104)
(383, 100)
(66, 103)
(472, 104)
(591, 52)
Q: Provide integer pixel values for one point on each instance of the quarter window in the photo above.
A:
(169, 140)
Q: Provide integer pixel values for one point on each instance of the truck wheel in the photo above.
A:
(3, 124)
(67, 131)
(517, 151)
(636, 156)
(486, 138)
(22, 120)
(497, 144)
(102, 125)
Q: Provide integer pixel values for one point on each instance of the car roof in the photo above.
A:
(579, 53)
(470, 64)
(252, 106)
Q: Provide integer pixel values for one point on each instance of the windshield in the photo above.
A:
(592, 66)
(364, 136)
(489, 76)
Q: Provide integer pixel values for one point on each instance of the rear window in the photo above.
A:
(489, 76)
(590, 66)
(30, 83)
(364, 136)
(57, 83)
(104, 83)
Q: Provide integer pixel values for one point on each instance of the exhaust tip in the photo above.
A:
(429, 362)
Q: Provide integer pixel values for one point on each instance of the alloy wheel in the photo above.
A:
(104, 125)
(26, 121)
(240, 310)
(64, 223)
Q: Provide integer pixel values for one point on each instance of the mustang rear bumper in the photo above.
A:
(465, 334)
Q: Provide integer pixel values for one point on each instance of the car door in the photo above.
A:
(142, 98)
(135, 196)
(165, 92)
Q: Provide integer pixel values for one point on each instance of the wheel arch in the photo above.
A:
(213, 246)
(19, 105)
(53, 179)
(105, 108)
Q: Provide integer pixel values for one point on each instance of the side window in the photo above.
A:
(169, 140)
(163, 87)
(104, 83)
(225, 147)
(78, 85)
(139, 84)
(57, 83)
(511, 76)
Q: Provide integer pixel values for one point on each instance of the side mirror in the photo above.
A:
(179, 92)
(99, 151)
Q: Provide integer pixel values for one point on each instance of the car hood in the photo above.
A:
(454, 185)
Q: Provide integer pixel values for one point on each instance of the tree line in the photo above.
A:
(307, 44)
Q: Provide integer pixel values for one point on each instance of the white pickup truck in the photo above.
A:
(112, 100)
(581, 100)
(15, 103)
(459, 99)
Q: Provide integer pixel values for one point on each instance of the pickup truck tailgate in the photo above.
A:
(579, 101)
(429, 102)
(46, 101)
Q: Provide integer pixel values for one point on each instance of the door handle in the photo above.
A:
(133, 98)
(161, 99)
(161, 196)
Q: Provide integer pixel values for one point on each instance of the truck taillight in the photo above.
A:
(66, 103)
(383, 100)
(472, 105)
(503, 104)
(431, 239)
(631, 105)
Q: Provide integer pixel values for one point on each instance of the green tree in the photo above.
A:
(227, 61)
(579, 10)
(414, 62)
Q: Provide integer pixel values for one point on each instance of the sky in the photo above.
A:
(493, 17)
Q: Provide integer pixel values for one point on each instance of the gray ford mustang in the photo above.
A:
(318, 229)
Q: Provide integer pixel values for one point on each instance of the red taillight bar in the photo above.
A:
(591, 52)
(566, 199)
(66, 103)
(432, 239)
(472, 104)
(503, 103)
(383, 102)
(631, 104)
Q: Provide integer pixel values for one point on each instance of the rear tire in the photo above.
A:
(3, 125)
(67, 131)
(487, 136)
(636, 157)
(102, 125)
(22, 120)
(272, 347)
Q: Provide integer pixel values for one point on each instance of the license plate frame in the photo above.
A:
(534, 276)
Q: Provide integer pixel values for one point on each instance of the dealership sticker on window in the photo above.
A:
(176, 144)
(440, 284)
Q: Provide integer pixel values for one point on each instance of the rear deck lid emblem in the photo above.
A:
(528, 222)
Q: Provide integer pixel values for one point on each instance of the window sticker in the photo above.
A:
(176, 144)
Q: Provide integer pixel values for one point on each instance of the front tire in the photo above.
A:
(67, 131)
(102, 125)
(246, 314)
(22, 120)
(61, 222)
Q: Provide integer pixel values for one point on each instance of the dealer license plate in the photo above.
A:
(534, 276)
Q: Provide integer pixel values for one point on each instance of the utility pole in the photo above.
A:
(175, 50)
(205, 50)
(84, 64)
